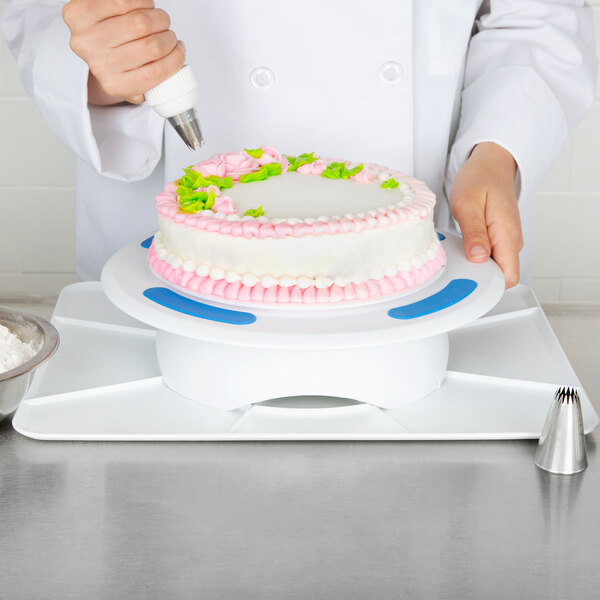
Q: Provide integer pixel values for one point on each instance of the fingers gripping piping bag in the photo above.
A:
(175, 100)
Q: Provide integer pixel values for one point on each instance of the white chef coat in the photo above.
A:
(412, 85)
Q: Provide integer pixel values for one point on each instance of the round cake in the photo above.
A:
(260, 226)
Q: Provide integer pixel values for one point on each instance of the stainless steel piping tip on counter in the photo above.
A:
(175, 100)
(561, 448)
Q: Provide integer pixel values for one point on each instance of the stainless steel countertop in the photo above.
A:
(454, 520)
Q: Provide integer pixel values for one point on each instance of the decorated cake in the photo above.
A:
(260, 226)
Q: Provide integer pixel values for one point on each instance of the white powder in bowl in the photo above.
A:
(13, 352)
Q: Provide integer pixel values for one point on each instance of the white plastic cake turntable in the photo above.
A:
(458, 358)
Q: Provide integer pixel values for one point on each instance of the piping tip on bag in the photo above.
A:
(175, 100)
(188, 128)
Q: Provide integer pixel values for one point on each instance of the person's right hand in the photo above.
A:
(127, 45)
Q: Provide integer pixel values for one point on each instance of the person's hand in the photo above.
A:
(484, 204)
(127, 45)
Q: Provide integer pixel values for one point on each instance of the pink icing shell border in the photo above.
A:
(419, 208)
(236, 291)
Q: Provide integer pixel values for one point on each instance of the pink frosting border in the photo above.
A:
(236, 291)
(418, 209)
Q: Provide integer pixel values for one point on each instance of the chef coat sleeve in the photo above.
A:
(123, 142)
(529, 78)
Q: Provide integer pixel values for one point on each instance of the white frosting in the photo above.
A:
(297, 197)
(375, 264)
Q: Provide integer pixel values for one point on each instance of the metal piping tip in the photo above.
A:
(188, 128)
(561, 448)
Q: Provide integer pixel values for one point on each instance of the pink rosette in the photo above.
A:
(224, 204)
(239, 163)
(365, 175)
(208, 190)
(314, 168)
(232, 164)
(271, 155)
(215, 165)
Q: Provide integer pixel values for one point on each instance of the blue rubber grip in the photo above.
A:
(147, 242)
(170, 299)
(454, 292)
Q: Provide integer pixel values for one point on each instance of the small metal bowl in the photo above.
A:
(14, 383)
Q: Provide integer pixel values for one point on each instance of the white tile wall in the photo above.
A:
(33, 156)
(596, 10)
(37, 254)
(10, 236)
(37, 205)
(46, 211)
(565, 229)
(565, 266)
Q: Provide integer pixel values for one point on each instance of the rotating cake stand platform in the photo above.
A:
(105, 381)
(386, 352)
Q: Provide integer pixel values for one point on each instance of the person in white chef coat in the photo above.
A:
(476, 98)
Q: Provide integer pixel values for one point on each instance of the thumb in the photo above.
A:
(470, 216)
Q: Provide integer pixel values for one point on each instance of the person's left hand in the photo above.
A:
(484, 204)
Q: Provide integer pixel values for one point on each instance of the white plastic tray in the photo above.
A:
(104, 384)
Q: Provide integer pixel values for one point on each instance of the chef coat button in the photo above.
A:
(391, 72)
(262, 78)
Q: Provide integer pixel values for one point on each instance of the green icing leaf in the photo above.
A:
(210, 200)
(351, 172)
(190, 198)
(192, 202)
(337, 170)
(183, 191)
(254, 212)
(303, 159)
(192, 207)
(334, 170)
(193, 179)
(255, 153)
(187, 195)
(273, 169)
(259, 175)
(390, 184)
(223, 183)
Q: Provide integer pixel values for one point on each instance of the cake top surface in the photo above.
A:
(301, 195)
